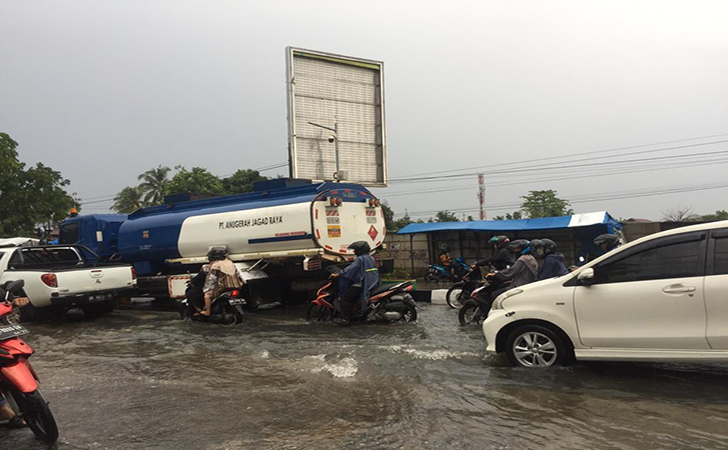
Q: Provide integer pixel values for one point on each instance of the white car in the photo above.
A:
(660, 298)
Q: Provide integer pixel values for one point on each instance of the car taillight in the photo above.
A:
(133, 274)
(49, 279)
(234, 293)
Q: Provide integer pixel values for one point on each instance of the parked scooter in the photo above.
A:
(18, 380)
(476, 309)
(437, 273)
(460, 292)
(227, 308)
(388, 303)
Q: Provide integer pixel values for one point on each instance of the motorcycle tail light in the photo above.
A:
(234, 293)
(49, 279)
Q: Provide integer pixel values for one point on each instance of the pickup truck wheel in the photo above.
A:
(98, 309)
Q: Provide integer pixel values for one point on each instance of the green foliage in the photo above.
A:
(241, 181)
(196, 181)
(471, 219)
(398, 273)
(517, 215)
(445, 216)
(30, 198)
(129, 200)
(545, 204)
(721, 214)
(389, 221)
(154, 185)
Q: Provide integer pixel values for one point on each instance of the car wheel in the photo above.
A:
(536, 346)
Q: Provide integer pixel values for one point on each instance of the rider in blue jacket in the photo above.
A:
(553, 263)
(357, 280)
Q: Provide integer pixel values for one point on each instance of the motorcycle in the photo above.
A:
(18, 380)
(460, 292)
(388, 303)
(226, 309)
(476, 308)
(436, 272)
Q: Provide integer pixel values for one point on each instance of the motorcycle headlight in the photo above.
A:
(498, 303)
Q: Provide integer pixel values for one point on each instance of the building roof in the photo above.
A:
(544, 223)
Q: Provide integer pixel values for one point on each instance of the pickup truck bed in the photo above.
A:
(64, 276)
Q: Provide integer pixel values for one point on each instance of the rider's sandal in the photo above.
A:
(15, 422)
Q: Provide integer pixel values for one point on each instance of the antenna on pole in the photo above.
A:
(481, 195)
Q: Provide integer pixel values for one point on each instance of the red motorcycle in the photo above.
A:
(18, 380)
(388, 303)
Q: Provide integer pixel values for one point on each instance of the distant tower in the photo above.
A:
(481, 195)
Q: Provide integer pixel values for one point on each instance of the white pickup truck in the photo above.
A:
(61, 277)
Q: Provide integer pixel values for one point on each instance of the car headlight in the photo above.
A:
(498, 303)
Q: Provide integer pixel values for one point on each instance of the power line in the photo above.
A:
(617, 195)
(572, 166)
(570, 155)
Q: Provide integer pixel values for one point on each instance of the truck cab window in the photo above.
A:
(70, 233)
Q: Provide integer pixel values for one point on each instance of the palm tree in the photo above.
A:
(154, 184)
(129, 200)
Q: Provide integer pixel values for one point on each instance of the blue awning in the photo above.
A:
(544, 223)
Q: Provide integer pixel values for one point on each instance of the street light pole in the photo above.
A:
(335, 130)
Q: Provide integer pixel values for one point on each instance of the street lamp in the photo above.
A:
(335, 139)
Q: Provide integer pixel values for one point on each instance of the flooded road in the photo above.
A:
(147, 380)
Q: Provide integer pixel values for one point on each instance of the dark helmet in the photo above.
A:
(611, 240)
(360, 248)
(543, 246)
(217, 253)
(520, 246)
(499, 241)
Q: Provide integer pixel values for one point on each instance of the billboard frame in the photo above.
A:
(291, 103)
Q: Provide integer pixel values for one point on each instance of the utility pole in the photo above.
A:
(481, 195)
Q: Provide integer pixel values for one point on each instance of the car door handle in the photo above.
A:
(678, 289)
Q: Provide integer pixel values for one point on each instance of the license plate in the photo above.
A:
(99, 297)
(236, 301)
(11, 331)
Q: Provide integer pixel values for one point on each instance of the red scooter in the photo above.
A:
(388, 303)
(18, 380)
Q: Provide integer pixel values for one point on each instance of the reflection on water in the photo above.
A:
(141, 380)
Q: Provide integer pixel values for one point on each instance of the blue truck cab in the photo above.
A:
(99, 232)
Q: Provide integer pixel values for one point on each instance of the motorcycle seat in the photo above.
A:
(380, 289)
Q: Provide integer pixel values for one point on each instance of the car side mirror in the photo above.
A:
(586, 277)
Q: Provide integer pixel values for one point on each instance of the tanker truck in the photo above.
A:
(281, 235)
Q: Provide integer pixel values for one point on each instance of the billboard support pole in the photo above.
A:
(335, 137)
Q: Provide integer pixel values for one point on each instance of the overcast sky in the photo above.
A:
(104, 90)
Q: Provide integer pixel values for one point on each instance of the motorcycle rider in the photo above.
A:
(607, 242)
(222, 276)
(553, 262)
(523, 271)
(8, 418)
(503, 257)
(445, 258)
(356, 281)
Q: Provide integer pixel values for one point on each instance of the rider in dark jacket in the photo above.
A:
(553, 263)
(504, 256)
(357, 280)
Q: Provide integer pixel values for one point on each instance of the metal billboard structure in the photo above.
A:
(336, 127)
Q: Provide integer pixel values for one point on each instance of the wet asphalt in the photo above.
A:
(142, 379)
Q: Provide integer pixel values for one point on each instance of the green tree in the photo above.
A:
(721, 214)
(388, 213)
(154, 185)
(516, 215)
(30, 198)
(445, 216)
(545, 204)
(196, 181)
(403, 222)
(129, 200)
(241, 181)
(471, 219)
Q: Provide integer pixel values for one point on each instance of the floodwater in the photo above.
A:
(147, 380)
